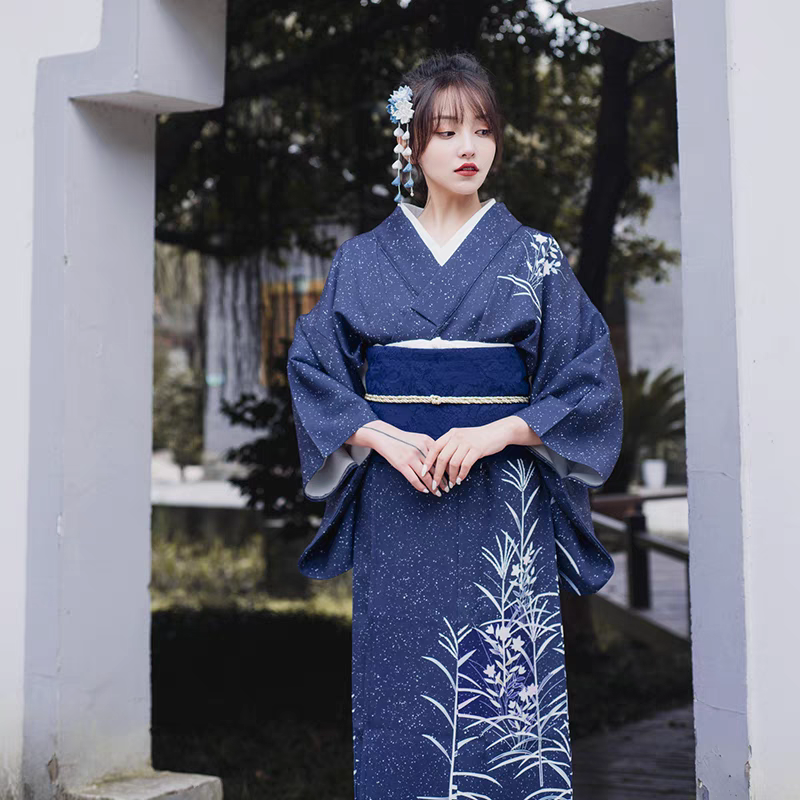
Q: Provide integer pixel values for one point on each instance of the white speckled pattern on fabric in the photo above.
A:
(459, 686)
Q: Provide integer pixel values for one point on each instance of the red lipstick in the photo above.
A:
(468, 168)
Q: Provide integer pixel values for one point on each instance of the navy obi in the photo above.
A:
(462, 371)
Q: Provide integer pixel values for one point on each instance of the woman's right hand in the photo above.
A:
(404, 450)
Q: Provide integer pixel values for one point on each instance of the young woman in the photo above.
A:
(455, 395)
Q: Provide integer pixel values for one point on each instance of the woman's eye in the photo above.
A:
(485, 131)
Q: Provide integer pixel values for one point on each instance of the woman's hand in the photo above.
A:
(457, 450)
(404, 450)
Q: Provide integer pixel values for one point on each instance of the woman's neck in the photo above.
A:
(443, 216)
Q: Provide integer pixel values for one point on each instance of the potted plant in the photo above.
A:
(654, 467)
(653, 408)
(660, 412)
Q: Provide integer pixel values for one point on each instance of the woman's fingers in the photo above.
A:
(411, 464)
(427, 479)
(466, 465)
(456, 460)
(448, 461)
(426, 471)
(413, 478)
(434, 449)
(442, 461)
(421, 482)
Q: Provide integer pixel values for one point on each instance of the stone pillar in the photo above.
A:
(736, 80)
(739, 178)
(76, 330)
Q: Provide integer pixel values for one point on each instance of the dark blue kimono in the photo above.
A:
(459, 687)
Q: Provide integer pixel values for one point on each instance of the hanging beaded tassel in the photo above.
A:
(400, 112)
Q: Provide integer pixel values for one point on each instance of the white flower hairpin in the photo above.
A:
(400, 112)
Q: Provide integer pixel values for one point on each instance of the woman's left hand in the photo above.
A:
(457, 450)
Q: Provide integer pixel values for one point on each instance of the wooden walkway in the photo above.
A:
(652, 759)
(666, 621)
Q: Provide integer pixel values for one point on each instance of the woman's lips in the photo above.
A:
(467, 171)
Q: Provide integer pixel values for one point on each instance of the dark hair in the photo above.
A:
(471, 82)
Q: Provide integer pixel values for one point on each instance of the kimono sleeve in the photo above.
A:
(324, 369)
(575, 407)
(576, 399)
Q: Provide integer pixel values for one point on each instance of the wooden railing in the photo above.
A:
(632, 531)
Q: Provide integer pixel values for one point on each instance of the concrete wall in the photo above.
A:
(76, 333)
(23, 42)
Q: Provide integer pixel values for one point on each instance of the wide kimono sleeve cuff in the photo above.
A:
(324, 473)
(542, 416)
(567, 468)
(330, 476)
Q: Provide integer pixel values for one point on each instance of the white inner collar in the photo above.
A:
(443, 252)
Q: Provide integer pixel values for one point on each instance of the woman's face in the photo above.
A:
(452, 145)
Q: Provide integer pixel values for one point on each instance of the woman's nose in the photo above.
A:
(467, 147)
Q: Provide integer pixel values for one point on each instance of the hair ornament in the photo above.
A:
(400, 112)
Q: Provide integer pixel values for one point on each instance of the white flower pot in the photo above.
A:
(654, 472)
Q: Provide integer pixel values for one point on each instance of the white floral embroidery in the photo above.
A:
(451, 641)
(526, 721)
(547, 257)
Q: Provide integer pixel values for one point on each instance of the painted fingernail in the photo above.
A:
(458, 480)
(438, 493)
(450, 482)
(424, 470)
(426, 489)
(445, 488)
(433, 485)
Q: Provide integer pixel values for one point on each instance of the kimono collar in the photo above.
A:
(441, 252)
(440, 288)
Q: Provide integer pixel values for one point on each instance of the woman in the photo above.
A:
(455, 395)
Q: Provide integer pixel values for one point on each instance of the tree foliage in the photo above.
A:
(304, 135)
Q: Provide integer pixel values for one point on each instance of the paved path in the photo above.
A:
(652, 759)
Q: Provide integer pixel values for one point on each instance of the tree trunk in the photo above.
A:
(611, 176)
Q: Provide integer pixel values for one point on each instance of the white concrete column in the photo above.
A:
(737, 120)
(76, 333)
(739, 178)
(714, 414)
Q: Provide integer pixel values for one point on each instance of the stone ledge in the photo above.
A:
(151, 786)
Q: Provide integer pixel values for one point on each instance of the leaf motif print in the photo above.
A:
(546, 260)
(519, 683)
(530, 724)
(451, 641)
